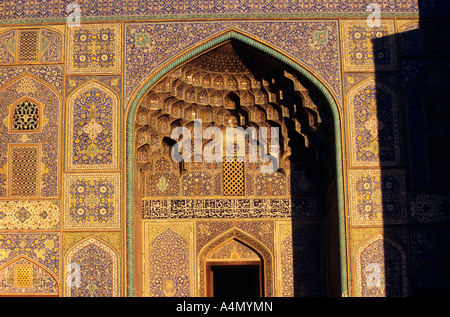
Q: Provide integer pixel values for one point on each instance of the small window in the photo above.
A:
(25, 117)
(233, 177)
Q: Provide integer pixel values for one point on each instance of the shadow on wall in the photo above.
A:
(412, 93)
(309, 255)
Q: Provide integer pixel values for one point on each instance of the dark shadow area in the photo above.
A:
(236, 280)
(416, 211)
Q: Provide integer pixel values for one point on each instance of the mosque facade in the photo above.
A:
(204, 148)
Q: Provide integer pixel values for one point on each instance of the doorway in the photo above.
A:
(234, 279)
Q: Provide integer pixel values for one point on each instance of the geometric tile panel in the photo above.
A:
(377, 197)
(374, 135)
(94, 49)
(33, 45)
(366, 48)
(92, 200)
(92, 128)
(233, 178)
(29, 215)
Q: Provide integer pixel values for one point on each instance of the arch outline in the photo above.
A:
(197, 50)
(267, 262)
(107, 248)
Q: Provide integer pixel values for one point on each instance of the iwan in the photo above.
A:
(193, 307)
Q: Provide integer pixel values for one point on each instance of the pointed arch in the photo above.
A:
(37, 113)
(176, 61)
(240, 236)
(30, 267)
(100, 250)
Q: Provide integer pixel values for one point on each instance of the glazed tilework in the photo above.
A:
(351, 80)
(314, 44)
(233, 251)
(8, 47)
(368, 49)
(29, 88)
(373, 118)
(71, 238)
(43, 248)
(164, 275)
(42, 45)
(28, 46)
(426, 244)
(230, 208)
(380, 268)
(98, 269)
(40, 281)
(29, 215)
(51, 47)
(98, 8)
(91, 200)
(94, 49)
(53, 75)
(260, 230)
(209, 228)
(377, 197)
(92, 128)
(410, 43)
(196, 184)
